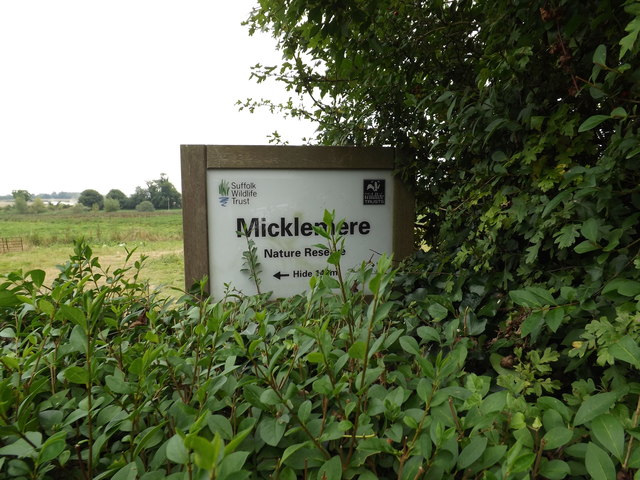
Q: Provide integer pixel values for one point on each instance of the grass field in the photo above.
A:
(48, 241)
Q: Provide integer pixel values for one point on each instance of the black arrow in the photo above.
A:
(280, 275)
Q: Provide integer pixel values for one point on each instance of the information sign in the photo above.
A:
(276, 205)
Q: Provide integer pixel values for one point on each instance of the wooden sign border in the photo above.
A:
(196, 160)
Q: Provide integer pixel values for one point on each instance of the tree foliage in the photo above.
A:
(91, 197)
(24, 194)
(116, 194)
(163, 194)
(330, 384)
(518, 121)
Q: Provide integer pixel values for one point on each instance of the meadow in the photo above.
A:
(48, 241)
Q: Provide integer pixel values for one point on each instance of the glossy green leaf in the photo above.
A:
(523, 463)
(128, 472)
(594, 406)
(52, 447)
(176, 450)
(357, 350)
(627, 350)
(557, 437)
(592, 122)
(205, 451)
(291, 449)
(410, 345)
(628, 41)
(600, 55)
(619, 112)
(624, 286)
(8, 299)
(437, 311)
(74, 314)
(37, 276)
(586, 246)
(599, 464)
(237, 440)
(532, 324)
(532, 297)
(553, 318)
(608, 431)
(590, 229)
(270, 397)
(555, 469)
(472, 452)
(77, 374)
(20, 448)
(271, 430)
(231, 466)
(331, 469)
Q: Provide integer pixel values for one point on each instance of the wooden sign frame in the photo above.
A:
(197, 160)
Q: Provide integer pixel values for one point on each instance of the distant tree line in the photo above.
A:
(44, 196)
(158, 194)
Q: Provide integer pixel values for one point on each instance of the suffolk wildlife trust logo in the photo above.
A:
(236, 193)
(223, 193)
(373, 192)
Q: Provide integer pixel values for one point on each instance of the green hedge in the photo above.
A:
(103, 379)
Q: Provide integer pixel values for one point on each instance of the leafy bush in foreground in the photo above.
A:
(102, 379)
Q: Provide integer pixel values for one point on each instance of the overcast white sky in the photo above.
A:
(101, 94)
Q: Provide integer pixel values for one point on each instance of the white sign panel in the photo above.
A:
(278, 209)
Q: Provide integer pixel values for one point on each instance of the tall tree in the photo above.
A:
(24, 194)
(91, 197)
(140, 195)
(519, 124)
(499, 106)
(116, 194)
(163, 194)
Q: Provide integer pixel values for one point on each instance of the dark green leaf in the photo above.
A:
(590, 229)
(532, 324)
(599, 464)
(594, 406)
(627, 350)
(609, 432)
(231, 466)
(75, 315)
(532, 297)
(624, 286)
(176, 451)
(555, 201)
(331, 469)
(37, 276)
(592, 122)
(291, 449)
(239, 438)
(52, 447)
(554, 469)
(271, 430)
(600, 55)
(128, 472)
(8, 299)
(557, 437)
(586, 246)
(77, 374)
(553, 318)
(472, 452)
(437, 311)
(205, 451)
(357, 350)
(410, 345)
(523, 463)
